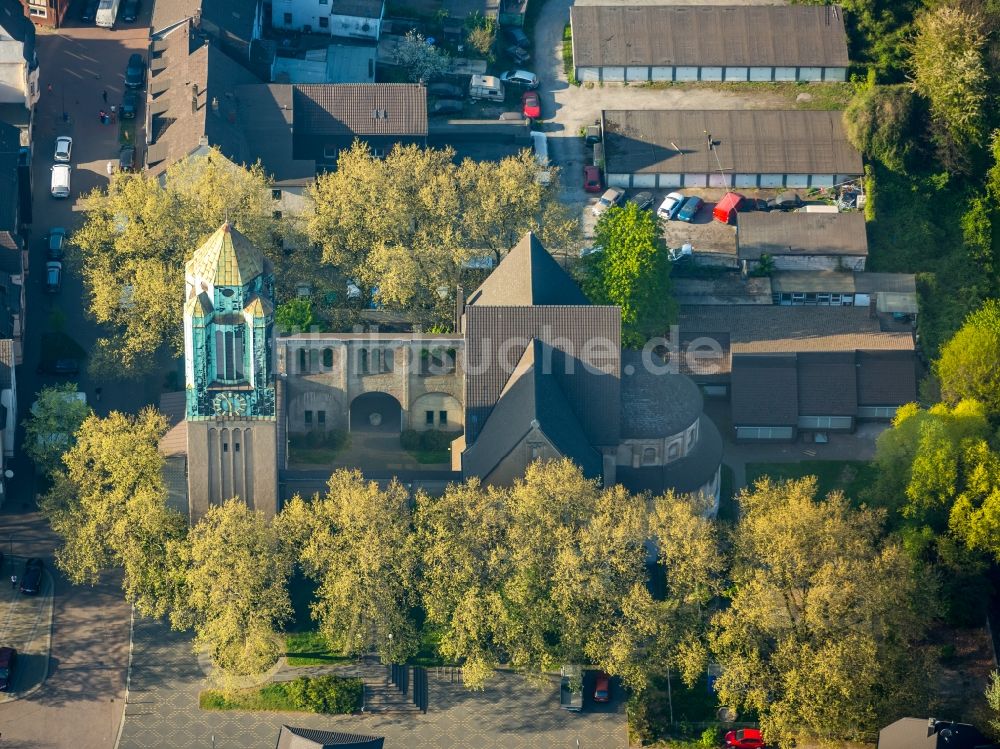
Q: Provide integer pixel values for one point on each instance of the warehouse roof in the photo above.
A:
(694, 35)
(669, 141)
(778, 233)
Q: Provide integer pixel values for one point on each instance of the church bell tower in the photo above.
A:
(229, 375)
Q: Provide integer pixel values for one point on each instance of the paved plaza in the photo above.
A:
(26, 625)
(162, 711)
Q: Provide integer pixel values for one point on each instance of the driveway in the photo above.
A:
(570, 108)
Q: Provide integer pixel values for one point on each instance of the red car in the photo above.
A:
(591, 179)
(745, 738)
(530, 105)
(602, 688)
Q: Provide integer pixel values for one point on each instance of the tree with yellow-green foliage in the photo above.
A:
(108, 504)
(235, 581)
(823, 636)
(134, 242)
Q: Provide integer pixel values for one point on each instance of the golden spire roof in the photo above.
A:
(227, 258)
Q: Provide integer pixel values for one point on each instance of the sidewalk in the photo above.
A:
(26, 625)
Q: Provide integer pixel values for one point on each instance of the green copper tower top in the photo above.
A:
(228, 329)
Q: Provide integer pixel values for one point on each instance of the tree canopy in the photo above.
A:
(880, 121)
(633, 272)
(236, 570)
(51, 428)
(969, 366)
(402, 225)
(108, 503)
(822, 635)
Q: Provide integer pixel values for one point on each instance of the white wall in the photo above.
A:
(354, 27)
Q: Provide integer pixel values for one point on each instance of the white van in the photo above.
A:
(60, 181)
(486, 87)
(540, 145)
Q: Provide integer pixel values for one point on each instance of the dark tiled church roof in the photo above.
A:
(531, 399)
(528, 275)
(309, 738)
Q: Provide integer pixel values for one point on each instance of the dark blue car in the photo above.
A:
(690, 208)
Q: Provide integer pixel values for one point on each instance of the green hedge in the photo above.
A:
(567, 55)
(431, 440)
(331, 695)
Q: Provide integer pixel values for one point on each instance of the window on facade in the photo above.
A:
(328, 358)
(429, 418)
(442, 417)
(375, 360)
(321, 417)
(236, 447)
(324, 22)
(674, 451)
(229, 354)
(303, 362)
(363, 361)
(39, 12)
(225, 447)
(288, 19)
(275, 194)
(437, 361)
(649, 456)
(309, 417)
(276, 214)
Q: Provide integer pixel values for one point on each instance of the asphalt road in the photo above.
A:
(80, 704)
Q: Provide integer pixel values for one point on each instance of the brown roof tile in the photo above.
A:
(779, 233)
(827, 383)
(360, 109)
(886, 378)
(764, 391)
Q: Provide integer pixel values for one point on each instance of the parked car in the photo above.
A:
(57, 243)
(591, 179)
(517, 36)
(518, 54)
(53, 276)
(602, 687)
(522, 78)
(130, 104)
(786, 201)
(60, 187)
(690, 209)
(135, 71)
(130, 11)
(611, 197)
(446, 90)
(531, 105)
(126, 159)
(58, 367)
(642, 200)
(571, 688)
(89, 12)
(8, 657)
(446, 106)
(593, 250)
(64, 148)
(748, 205)
(670, 206)
(31, 577)
(511, 116)
(744, 738)
(592, 134)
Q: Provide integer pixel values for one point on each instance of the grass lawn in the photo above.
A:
(567, 55)
(850, 476)
(426, 457)
(310, 649)
(428, 656)
(316, 448)
(324, 694)
(270, 697)
(825, 96)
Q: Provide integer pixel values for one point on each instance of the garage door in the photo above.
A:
(772, 180)
(618, 180)
(711, 74)
(670, 180)
(810, 74)
(761, 74)
(663, 73)
(695, 180)
(784, 74)
(643, 180)
(637, 74)
(796, 180)
(588, 74)
(835, 74)
(737, 74)
(613, 74)
(720, 180)
(686, 74)
(746, 180)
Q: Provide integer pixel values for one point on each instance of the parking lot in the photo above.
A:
(26, 626)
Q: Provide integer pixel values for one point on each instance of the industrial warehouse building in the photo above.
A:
(661, 148)
(709, 43)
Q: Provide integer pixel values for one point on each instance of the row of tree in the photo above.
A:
(402, 228)
(812, 613)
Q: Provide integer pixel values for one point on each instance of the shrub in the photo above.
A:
(410, 439)
(879, 122)
(326, 694)
(434, 440)
(567, 55)
(295, 315)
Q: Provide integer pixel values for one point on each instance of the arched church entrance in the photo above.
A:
(376, 412)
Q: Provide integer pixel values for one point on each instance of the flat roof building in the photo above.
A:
(709, 43)
(802, 241)
(663, 148)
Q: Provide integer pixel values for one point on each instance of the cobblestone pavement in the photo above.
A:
(26, 625)
(162, 711)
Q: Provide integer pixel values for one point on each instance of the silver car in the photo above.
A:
(612, 196)
(64, 148)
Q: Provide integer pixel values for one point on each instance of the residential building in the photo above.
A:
(13, 247)
(234, 25)
(917, 733)
(709, 43)
(8, 410)
(792, 370)
(352, 19)
(19, 86)
(802, 241)
(50, 13)
(662, 148)
(190, 102)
